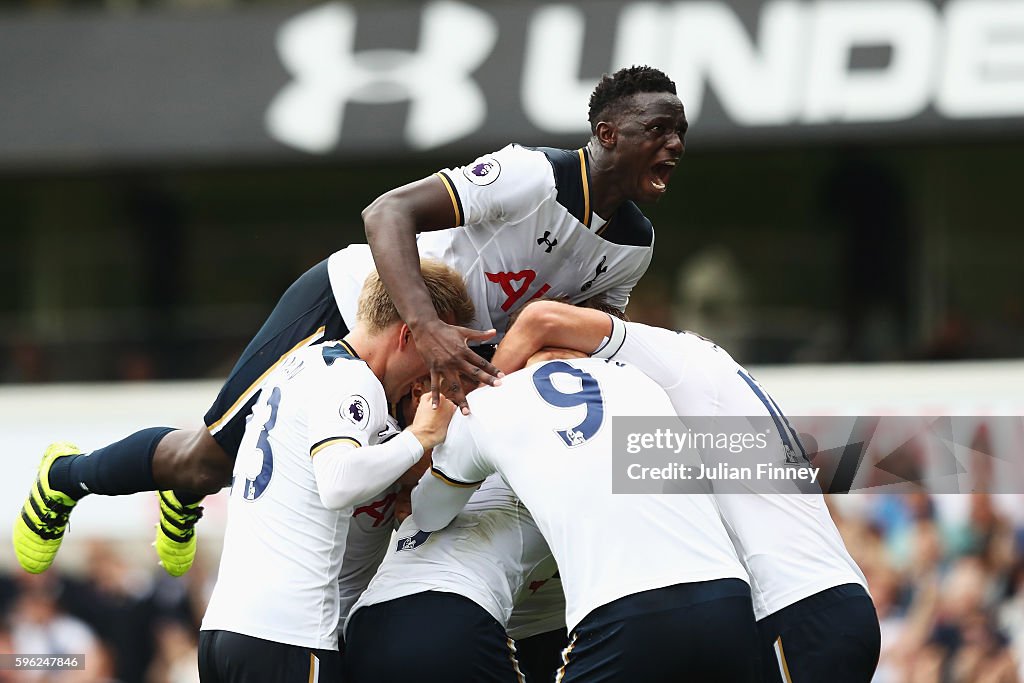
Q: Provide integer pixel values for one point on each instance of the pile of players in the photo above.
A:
(517, 560)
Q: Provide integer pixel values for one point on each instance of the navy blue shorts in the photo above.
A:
(227, 657)
(702, 631)
(306, 314)
(540, 655)
(429, 637)
(830, 636)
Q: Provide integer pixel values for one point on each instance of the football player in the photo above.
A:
(652, 583)
(519, 223)
(814, 615)
(315, 447)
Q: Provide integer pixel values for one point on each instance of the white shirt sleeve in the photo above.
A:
(347, 474)
(507, 186)
(457, 471)
(346, 417)
(653, 350)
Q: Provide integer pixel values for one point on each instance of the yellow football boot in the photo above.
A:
(39, 529)
(176, 533)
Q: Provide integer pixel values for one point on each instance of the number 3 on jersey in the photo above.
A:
(589, 395)
(255, 487)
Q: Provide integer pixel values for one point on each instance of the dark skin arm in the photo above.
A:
(391, 223)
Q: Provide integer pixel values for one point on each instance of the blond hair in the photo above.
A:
(447, 291)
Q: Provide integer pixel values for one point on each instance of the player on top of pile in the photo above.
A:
(518, 224)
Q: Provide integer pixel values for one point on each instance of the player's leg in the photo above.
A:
(697, 631)
(185, 465)
(226, 657)
(201, 463)
(832, 635)
(540, 655)
(429, 637)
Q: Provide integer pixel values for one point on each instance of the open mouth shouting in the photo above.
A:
(660, 174)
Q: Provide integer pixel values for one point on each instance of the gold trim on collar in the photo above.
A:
(586, 186)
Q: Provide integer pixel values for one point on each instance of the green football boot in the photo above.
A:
(176, 533)
(39, 529)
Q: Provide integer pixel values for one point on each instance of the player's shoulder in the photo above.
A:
(336, 362)
(565, 163)
(570, 176)
(335, 355)
(513, 163)
(663, 341)
(697, 343)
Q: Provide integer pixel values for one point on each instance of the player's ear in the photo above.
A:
(607, 134)
(404, 336)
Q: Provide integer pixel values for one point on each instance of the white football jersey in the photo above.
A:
(540, 610)
(489, 554)
(373, 522)
(527, 230)
(365, 547)
(787, 542)
(548, 430)
(283, 549)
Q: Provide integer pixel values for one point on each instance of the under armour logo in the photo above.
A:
(601, 268)
(318, 48)
(544, 240)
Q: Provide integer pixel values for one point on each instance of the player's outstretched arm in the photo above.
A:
(457, 471)
(347, 474)
(551, 323)
(391, 224)
(435, 504)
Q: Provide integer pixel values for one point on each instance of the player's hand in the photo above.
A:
(445, 348)
(403, 503)
(429, 426)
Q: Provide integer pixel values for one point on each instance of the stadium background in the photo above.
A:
(846, 221)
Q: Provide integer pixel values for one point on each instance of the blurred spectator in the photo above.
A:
(177, 654)
(41, 627)
(26, 362)
(952, 339)
(1011, 613)
(116, 601)
(712, 297)
(973, 649)
(6, 645)
(947, 590)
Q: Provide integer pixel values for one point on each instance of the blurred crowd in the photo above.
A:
(946, 574)
(131, 625)
(947, 577)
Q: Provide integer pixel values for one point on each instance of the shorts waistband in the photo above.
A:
(819, 601)
(678, 596)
